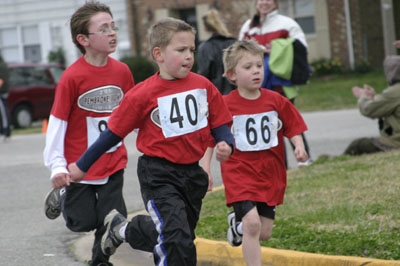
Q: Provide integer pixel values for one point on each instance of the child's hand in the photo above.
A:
(210, 182)
(60, 180)
(224, 150)
(300, 154)
(77, 174)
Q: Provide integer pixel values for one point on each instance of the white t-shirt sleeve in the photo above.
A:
(53, 153)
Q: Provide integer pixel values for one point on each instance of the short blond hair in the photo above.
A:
(235, 52)
(161, 33)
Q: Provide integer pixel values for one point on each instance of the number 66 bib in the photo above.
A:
(255, 132)
(183, 113)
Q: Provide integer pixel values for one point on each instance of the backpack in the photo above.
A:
(288, 60)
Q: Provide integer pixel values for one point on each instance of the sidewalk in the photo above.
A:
(220, 253)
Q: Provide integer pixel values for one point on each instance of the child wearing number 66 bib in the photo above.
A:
(255, 175)
(176, 111)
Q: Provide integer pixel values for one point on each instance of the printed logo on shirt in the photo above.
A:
(183, 113)
(155, 117)
(101, 100)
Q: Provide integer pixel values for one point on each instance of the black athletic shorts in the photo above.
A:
(241, 208)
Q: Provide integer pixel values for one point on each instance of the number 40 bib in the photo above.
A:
(255, 132)
(183, 113)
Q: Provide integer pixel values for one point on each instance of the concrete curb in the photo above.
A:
(210, 252)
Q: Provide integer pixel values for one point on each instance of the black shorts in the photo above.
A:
(241, 208)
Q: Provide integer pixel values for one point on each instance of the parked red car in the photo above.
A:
(31, 91)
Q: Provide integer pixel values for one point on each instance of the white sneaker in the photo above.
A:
(306, 163)
(234, 238)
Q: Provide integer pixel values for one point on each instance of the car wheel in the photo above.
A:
(22, 117)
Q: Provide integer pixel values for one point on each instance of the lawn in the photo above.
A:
(334, 92)
(339, 206)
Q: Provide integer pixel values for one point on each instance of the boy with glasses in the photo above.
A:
(88, 91)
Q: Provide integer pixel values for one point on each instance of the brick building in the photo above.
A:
(353, 30)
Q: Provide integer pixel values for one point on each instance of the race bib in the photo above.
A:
(183, 113)
(256, 132)
(96, 125)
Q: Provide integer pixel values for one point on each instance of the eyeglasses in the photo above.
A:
(105, 31)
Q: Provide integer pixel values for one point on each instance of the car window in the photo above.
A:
(29, 76)
(56, 72)
(39, 77)
(18, 76)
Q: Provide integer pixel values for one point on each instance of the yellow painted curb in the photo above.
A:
(210, 252)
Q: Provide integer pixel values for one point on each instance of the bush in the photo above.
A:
(141, 67)
(363, 67)
(324, 66)
(57, 57)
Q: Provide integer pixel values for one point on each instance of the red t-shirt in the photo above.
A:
(174, 118)
(85, 97)
(256, 171)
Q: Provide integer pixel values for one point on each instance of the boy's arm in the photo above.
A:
(299, 151)
(206, 165)
(53, 153)
(104, 142)
(224, 139)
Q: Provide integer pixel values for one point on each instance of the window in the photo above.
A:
(9, 44)
(56, 72)
(31, 44)
(189, 16)
(302, 11)
(56, 37)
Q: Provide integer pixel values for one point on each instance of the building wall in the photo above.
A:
(234, 13)
(51, 18)
(148, 12)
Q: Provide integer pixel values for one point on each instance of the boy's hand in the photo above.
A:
(60, 180)
(300, 154)
(210, 182)
(77, 174)
(223, 151)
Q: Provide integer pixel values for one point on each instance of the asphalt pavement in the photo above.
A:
(29, 238)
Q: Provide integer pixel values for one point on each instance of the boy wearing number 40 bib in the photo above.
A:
(255, 175)
(176, 111)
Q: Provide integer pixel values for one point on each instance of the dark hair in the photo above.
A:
(81, 18)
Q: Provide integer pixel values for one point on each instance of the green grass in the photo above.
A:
(339, 206)
(334, 92)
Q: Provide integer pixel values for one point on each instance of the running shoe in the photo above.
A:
(52, 203)
(234, 238)
(111, 239)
